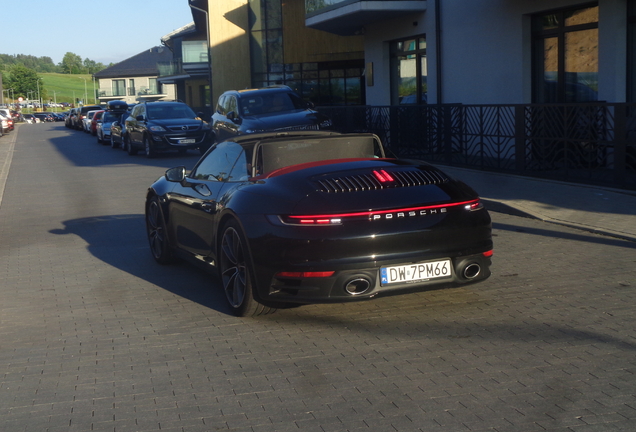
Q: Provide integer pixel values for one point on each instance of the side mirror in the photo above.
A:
(233, 116)
(310, 105)
(176, 174)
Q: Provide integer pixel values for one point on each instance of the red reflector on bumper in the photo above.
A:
(488, 254)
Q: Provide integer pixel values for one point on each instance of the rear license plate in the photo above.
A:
(187, 141)
(412, 273)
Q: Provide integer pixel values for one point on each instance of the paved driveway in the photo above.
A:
(95, 336)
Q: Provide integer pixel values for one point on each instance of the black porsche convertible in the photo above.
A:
(317, 217)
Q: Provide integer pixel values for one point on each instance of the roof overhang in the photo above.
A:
(350, 17)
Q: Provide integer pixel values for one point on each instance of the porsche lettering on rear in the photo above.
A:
(409, 214)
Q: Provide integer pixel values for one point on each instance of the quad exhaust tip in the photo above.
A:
(358, 286)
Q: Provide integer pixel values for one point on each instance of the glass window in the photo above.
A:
(154, 87)
(194, 51)
(119, 87)
(219, 163)
(409, 71)
(566, 56)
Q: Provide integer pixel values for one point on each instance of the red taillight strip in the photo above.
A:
(305, 274)
(327, 218)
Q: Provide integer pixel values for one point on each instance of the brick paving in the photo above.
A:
(95, 336)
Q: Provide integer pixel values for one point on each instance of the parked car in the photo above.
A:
(317, 217)
(81, 115)
(118, 131)
(104, 125)
(97, 117)
(44, 117)
(71, 118)
(7, 123)
(86, 121)
(28, 118)
(6, 112)
(17, 117)
(273, 108)
(158, 126)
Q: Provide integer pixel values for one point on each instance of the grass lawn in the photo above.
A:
(69, 88)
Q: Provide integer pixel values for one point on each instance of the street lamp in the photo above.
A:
(85, 92)
(94, 92)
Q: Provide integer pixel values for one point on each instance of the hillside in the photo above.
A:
(68, 88)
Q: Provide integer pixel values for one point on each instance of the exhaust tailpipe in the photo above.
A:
(358, 286)
(471, 271)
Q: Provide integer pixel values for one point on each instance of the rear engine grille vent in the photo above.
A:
(366, 182)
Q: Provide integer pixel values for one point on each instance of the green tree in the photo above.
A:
(92, 67)
(25, 82)
(71, 63)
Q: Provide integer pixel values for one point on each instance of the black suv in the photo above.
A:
(273, 108)
(155, 126)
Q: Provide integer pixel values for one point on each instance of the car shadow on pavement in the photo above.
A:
(120, 241)
(82, 149)
(581, 236)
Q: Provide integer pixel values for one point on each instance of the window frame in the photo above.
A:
(418, 53)
(560, 32)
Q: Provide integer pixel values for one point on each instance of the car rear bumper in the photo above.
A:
(356, 256)
(365, 282)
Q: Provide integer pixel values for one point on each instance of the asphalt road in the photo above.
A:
(94, 335)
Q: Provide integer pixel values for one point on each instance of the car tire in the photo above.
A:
(150, 152)
(129, 148)
(157, 232)
(236, 273)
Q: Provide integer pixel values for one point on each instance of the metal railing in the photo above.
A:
(591, 143)
(110, 93)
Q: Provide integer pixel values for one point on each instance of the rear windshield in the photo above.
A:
(293, 152)
(110, 117)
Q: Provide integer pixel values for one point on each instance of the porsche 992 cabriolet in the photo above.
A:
(317, 217)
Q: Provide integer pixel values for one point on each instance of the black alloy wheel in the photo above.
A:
(236, 273)
(129, 148)
(157, 233)
(150, 151)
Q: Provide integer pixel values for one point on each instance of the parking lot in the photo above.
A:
(94, 335)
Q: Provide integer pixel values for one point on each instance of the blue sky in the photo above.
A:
(103, 31)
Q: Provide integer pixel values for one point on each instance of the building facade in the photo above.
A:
(256, 43)
(489, 51)
(135, 79)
